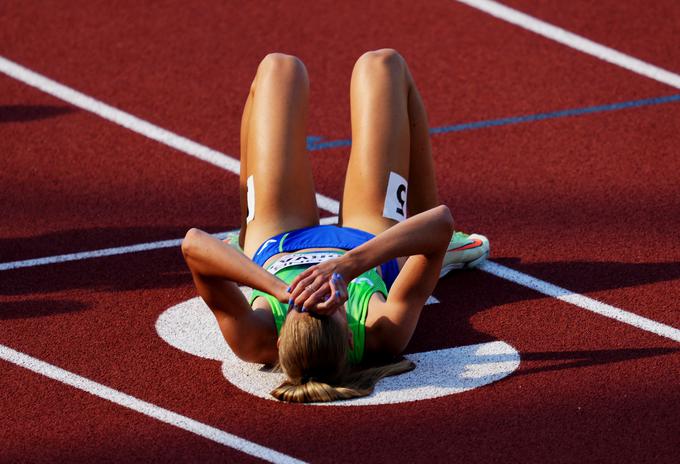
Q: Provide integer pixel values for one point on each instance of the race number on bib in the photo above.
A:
(395, 200)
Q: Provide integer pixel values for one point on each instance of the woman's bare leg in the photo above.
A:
(273, 151)
(389, 134)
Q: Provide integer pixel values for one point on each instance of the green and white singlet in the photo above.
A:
(360, 291)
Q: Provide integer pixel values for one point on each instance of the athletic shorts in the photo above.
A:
(327, 236)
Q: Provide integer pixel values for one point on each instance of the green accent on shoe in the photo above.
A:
(459, 236)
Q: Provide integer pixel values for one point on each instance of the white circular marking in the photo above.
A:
(191, 327)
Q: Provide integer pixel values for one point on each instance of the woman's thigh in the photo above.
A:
(278, 173)
(379, 161)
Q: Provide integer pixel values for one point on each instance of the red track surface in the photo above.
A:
(589, 203)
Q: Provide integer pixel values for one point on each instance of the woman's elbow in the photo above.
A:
(394, 346)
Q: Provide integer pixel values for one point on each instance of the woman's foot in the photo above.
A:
(465, 251)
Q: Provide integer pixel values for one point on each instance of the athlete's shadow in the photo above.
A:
(31, 308)
(466, 295)
(560, 360)
(27, 113)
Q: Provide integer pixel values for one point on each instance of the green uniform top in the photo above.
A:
(360, 291)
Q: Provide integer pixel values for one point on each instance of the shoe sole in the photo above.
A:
(469, 265)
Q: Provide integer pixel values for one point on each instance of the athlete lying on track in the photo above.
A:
(334, 296)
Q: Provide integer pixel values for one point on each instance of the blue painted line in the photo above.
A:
(555, 114)
(315, 143)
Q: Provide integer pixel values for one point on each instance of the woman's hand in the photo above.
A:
(320, 288)
(282, 294)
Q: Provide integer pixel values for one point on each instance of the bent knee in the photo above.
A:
(190, 239)
(280, 65)
(383, 59)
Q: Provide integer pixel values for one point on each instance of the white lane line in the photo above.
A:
(90, 254)
(575, 41)
(116, 250)
(581, 301)
(143, 407)
(133, 123)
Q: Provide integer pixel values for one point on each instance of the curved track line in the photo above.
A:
(575, 41)
(144, 407)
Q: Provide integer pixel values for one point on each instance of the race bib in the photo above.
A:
(395, 199)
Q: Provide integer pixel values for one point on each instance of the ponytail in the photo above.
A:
(355, 385)
(313, 354)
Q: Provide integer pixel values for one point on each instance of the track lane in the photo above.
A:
(646, 30)
(72, 182)
(545, 428)
(586, 203)
(465, 73)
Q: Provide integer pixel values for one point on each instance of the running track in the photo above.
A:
(588, 202)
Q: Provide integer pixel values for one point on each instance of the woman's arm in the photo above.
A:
(390, 324)
(421, 234)
(426, 234)
(215, 267)
(212, 258)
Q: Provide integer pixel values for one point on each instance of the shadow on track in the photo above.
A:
(27, 113)
(561, 360)
(465, 294)
(28, 309)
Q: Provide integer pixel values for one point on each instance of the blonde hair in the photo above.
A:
(313, 354)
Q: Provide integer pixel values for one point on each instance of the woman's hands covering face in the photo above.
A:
(320, 288)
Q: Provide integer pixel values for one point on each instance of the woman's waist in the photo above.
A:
(305, 257)
(305, 251)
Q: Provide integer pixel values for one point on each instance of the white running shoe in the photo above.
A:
(464, 252)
